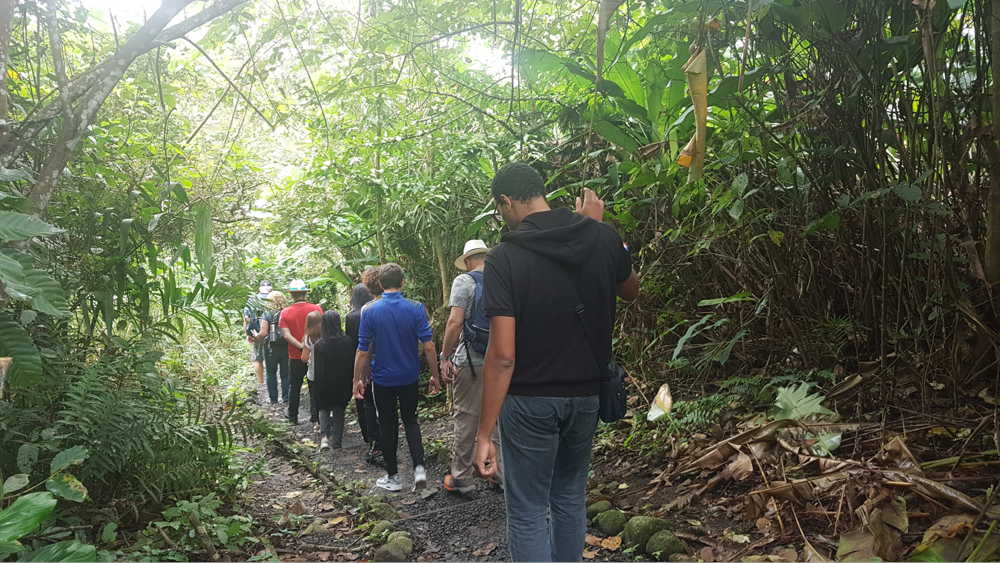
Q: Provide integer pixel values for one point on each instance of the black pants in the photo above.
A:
(297, 369)
(386, 400)
(368, 417)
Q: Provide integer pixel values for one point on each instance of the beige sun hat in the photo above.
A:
(472, 247)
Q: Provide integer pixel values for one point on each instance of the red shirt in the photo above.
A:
(293, 317)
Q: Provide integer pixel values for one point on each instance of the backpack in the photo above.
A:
(254, 324)
(476, 327)
(274, 334)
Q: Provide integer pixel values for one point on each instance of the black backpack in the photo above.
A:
(274, 334)
(476, 328)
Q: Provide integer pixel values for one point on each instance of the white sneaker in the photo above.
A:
(389, 483)
(324, 443)
(419, 477)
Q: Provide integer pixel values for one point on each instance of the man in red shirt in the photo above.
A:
(293, 326)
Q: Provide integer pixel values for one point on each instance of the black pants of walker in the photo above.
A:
(297, 369)
(394, 403)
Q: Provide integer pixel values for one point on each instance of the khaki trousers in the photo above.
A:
(468, 400)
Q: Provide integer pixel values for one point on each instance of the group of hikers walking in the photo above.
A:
(526, 350)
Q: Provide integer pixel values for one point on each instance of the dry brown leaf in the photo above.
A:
(336, 521)
(856, 545)
(592, 540)
(323, 555)
(812, 555)
(293, 494)
(612, 544)
(485, 550)
(763, 525)
(785, 554)
(739, 468)
(948, 527)
(297, 508)
(899, 456)
(680, 502)
(706, 554)
(589, 553)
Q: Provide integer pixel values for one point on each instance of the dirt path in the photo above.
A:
(310, 520)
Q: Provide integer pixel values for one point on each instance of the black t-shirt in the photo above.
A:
(531, 275)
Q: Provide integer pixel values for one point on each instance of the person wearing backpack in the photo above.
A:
(276, 349)
(253, 313)
(466, 336)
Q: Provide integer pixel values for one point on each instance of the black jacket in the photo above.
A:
(334, 371)
(555, 262)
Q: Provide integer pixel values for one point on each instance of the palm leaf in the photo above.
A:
(22, 282)
(19, 226)
(16, 343)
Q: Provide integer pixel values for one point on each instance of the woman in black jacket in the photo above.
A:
(361, 295)
(334, 375)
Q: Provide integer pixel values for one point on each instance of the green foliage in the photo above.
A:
(20, 226)
(150, 436)
(23, 517)
(16, 343)
(189, 523)
(797, 403)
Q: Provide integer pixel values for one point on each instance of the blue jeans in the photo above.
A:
(276, 364)
(546, 444)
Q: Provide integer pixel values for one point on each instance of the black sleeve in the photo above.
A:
(497, 287)
(351, 324)
(622, 257)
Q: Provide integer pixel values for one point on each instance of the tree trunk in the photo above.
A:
(6, 15)
(81, 98)
(993, 202)
(442, 264)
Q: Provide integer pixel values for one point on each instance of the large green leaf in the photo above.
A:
(9, 547)
(13, 279)
(25, 515)
(616, 135)
(19, 226)
(23, 282)
(68, 457)
(15, 343)
(15, 482)
(48, 296)
(66, 486)
(203, 235)
(67, 550)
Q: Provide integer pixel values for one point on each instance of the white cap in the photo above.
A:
(297, 285)
(472, 247)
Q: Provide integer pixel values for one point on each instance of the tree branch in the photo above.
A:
(231, 83)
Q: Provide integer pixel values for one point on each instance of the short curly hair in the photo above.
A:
(391, 276)
(370, 277)
(518, 181)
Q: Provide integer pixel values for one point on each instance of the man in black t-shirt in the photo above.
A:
(550, 292)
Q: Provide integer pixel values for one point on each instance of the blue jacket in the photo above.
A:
(397, 324)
